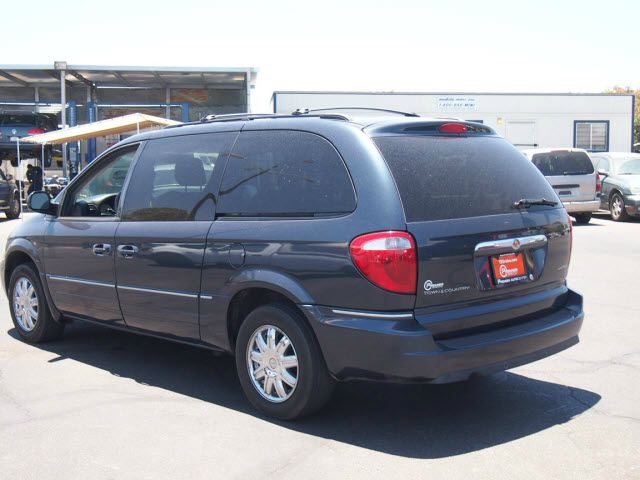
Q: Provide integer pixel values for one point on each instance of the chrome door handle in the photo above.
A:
(127, 251)
(101, 249)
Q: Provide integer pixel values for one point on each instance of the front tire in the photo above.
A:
(280, 365)
(15, 208)
(617, 208)
(29, 310)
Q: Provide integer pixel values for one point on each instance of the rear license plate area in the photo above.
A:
(508, 268)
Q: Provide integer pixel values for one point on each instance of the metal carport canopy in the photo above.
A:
(111, 126)
(104, 76)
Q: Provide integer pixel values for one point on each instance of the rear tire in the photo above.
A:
(28, 305)
(617, 208)
(583, 218)
(258, 363)
(15, 208)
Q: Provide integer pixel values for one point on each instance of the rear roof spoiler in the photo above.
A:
(427, 127)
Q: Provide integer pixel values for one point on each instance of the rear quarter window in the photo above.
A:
(456, 177)
(563, 163)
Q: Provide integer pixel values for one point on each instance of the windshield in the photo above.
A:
(563, 163)
(628, 166)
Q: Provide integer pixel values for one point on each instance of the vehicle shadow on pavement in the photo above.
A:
(417, 421)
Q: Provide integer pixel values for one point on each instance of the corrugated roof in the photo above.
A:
(105, 76)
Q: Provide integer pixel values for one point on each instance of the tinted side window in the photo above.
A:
(175, 178)
(563, 163)
(285, 173)
(445, 177)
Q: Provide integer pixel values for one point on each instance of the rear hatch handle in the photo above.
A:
(509, 245)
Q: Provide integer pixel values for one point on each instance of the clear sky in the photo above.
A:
(399, 45)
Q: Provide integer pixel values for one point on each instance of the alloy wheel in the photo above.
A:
(25, 304)
(272, 363)
(616, 206)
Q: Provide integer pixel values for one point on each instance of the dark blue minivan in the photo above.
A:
(313, 247)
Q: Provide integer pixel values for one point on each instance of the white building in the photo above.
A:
(595, 122)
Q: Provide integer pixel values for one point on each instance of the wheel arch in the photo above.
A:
(254, 288)
(20, 252)
(246, 301)
(613, 191)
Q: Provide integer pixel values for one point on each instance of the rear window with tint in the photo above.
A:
(563, 163)
(18, 119)
(456, 177)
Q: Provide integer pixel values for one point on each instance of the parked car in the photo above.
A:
(312, 248)
(9, 197)
(571, 174)
(620, 177)
(55, 184)
(22, 124)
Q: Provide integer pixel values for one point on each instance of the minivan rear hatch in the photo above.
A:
(476, 244)
(569, 172)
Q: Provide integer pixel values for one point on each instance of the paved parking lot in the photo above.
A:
(103, 404)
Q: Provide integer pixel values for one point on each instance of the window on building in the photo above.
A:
(285, 174)
(592, 135)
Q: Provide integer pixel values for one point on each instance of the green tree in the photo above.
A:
(636, 114)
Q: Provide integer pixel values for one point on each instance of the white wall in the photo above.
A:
(553, 115)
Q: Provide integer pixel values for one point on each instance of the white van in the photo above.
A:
(571, 174)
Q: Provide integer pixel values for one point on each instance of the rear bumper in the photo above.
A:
(582, 207)
(387, 348)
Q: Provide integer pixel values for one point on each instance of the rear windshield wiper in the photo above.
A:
(527, 202)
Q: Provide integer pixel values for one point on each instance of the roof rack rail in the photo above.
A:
(228, 117)
(235, 116)
(307, 111)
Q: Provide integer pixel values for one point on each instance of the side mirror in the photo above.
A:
(9, 177)
(602, 173)
(41, 202)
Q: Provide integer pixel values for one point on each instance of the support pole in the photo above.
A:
(167, 112)
(92, 116)
(63, 104)
(20, 189)
(185, 112)
(43, 166)
(248, 77)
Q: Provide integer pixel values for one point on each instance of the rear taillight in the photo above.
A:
(453, 128)
(387, 259)
(598, 184)
(35, 131)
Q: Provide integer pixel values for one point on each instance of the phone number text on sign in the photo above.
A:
(459, 104)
